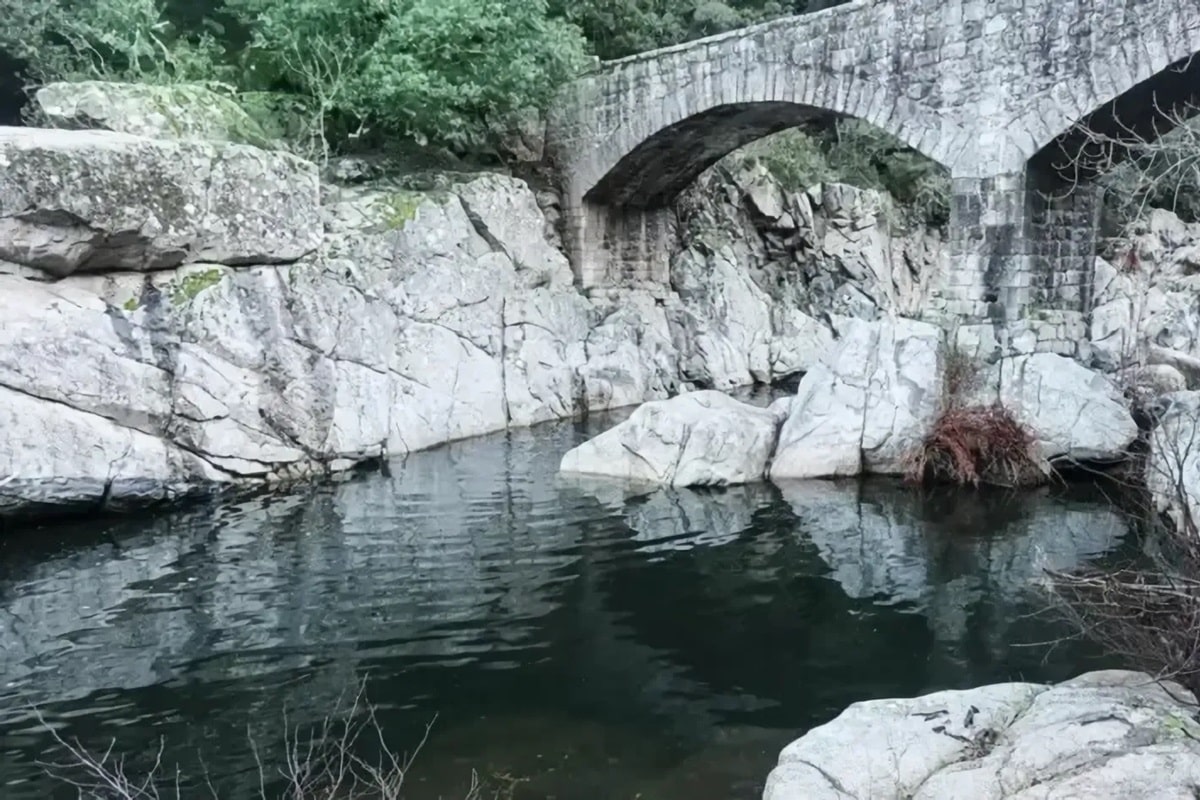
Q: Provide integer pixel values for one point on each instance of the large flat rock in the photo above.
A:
(1103, 736)
(181, 111)
(80, 201)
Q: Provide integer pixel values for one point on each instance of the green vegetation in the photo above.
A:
(860, 154)
(185, 289)
(400, 208)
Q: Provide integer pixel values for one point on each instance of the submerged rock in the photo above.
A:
(866, 405)
(699, 439)
(86, 201)
(1106, 735)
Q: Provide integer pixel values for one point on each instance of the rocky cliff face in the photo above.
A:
(184, 314)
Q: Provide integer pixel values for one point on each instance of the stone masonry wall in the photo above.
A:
(980, 86)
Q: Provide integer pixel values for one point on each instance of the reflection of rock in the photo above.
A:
(703, 438)
(677, 518)
(1102, 735)
(880, 544)
(874, 549)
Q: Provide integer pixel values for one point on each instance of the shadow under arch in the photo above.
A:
(1101, 140)
(12, 89)
(662, 165)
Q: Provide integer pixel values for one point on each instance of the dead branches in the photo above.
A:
(977, 444)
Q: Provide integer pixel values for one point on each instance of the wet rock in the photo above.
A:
(702, 438)
(1102, 735)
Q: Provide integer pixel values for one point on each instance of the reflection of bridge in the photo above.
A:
(982, 87)
(289, 604)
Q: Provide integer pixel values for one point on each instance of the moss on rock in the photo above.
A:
(187, 287)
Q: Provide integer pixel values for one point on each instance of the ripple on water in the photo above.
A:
(589, 637)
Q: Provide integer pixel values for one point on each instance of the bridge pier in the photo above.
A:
(620, 246)
(1021, 256)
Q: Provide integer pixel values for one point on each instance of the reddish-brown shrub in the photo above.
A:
(977, 444)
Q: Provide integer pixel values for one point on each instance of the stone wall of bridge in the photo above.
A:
(987, 88)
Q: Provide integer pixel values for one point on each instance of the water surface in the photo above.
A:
(569, 639)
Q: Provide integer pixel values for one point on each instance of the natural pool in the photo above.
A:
(566, 639)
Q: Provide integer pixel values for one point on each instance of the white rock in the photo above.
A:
(703, 438)
(867, 405)
(183, 111)
(630, 355)
(93, 200)
(1105, 735)
(1075, 414)
(723, 321)
(505, 212)
(544, 335)
(1173, 469)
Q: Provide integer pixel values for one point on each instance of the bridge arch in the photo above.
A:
(647, 168)
(990, 89)
(634, 133)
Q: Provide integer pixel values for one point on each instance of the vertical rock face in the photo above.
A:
(1147, 303)
(762, 270)
(866, 405)
(1173, 469)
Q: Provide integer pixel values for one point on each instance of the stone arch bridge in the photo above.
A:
(991, 89)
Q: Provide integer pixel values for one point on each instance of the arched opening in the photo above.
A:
(1142, 149)
(654, 172)
(633, 223)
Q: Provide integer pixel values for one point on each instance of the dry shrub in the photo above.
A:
(321, 762)
(977, 444)
(1148, 618)
(1147, 614)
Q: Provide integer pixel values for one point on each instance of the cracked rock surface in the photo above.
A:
(1110, 735)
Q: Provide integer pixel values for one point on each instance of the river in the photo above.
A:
(564, 638)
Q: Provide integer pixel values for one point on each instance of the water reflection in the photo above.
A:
(600, 640)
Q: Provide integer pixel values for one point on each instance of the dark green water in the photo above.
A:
(597, 645)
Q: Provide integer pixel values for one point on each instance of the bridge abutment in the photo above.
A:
(619, 246)
(1021, 257)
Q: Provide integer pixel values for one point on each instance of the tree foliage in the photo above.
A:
(343, 74)
(432, 70)
(858, 153)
